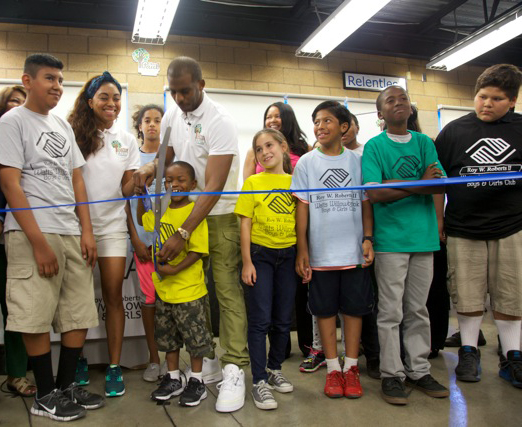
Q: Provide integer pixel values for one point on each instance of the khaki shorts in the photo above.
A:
(476, 267)
(35, 303)
(111, 245)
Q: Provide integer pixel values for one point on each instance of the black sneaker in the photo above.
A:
(428, 385)
(393, 391)
(468, 368)
(57, 406)
(373, 368)
(511, 368)
(194, 393)
(168, 388)
(455, 341)
(83, 397)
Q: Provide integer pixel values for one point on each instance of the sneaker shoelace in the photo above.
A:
(60, 397)
(228, 383)
(352, 379)
(192, 385)
(514, 365)
(264, 392)
(468, 360)
(278, 377)
(312, 355)
(336, 379)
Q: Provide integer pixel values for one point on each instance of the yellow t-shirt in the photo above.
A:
(188, 284)
(273, 215)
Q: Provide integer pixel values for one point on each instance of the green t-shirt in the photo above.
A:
(409, 224)
(273, 215)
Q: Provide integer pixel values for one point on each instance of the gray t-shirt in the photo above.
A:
(335, 228)
(44, 148)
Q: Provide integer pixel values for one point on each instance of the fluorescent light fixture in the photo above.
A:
(344, 21)
(489, 37)
(153, 21)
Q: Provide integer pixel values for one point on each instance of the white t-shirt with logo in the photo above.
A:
(44, 148)
(209, 130)
(103, 173)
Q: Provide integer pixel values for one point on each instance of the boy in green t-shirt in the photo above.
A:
(406, 235)
(180, 309)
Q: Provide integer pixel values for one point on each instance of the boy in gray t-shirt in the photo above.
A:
(50, 259)
(338, 243)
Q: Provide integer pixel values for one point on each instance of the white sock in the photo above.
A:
(509, 332)
(469, 329)
(348, 363)
(333, 365)
(174, 375)
(197, 375)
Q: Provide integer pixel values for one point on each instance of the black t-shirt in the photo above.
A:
(468, 146)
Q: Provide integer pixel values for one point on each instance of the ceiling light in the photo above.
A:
(489, 37)
(344, 21)
(153, 21)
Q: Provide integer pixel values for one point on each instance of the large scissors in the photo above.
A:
(160, 202)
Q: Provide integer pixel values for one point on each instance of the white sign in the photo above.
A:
(145, 68)
(371, 82)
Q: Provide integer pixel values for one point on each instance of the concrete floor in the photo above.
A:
(492, 402)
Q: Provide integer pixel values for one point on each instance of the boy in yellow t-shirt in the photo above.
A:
(180, 308)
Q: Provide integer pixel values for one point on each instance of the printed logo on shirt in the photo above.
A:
(490, 151)
(282, 203)
(54, 144)
(120, 151)
(407, 167)
(335, 178)
(166, 231)
(200, 139)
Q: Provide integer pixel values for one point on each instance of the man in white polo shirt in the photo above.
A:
(205, 135)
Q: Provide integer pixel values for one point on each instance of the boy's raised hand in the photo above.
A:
(249, 274)
(432, 172)
(46, 260)
(302, 266)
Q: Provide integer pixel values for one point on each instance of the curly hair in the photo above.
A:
(290, 128)
(83, 122)
(137, 117)
(6, 94)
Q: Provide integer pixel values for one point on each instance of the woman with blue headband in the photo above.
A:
(112, 155)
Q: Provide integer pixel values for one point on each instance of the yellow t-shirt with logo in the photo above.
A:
(188, 284)
(273, 215)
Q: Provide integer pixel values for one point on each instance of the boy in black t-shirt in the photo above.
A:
(483, 221)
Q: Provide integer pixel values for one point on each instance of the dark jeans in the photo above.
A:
(270, 305)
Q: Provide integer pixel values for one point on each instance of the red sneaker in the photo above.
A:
(352, 385)
(334, 384)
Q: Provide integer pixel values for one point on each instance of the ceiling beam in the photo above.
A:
(434, 20)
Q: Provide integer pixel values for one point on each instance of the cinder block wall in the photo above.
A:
(231, 65)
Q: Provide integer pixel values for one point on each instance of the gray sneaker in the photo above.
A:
(278, 382)
(262, 396)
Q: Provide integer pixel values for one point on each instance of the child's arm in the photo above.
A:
(438, 199)
(248, 274)
(367, 219)
(302, 262)
(140, 210)
(171, 270)
(87, 242)
(43, 254)
(141, 249)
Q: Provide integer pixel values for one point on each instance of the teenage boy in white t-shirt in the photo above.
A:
(50, 259)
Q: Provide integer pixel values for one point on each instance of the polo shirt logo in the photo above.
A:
(120, 151)
(335, 178)
(54, 144)
(407, 166)
(200, 139)
(282, 203)
(490, 151)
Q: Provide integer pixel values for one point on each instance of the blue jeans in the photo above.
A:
(270, 305)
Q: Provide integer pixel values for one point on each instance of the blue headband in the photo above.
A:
(98, 81)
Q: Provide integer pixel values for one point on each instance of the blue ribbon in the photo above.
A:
(403, 184)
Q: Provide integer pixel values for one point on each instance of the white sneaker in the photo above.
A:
(211, 370)
(152, 372)
(231, 390)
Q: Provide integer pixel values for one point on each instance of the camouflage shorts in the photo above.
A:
(184, 323)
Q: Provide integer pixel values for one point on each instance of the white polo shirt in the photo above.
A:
(103, 173)
(207, 131)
